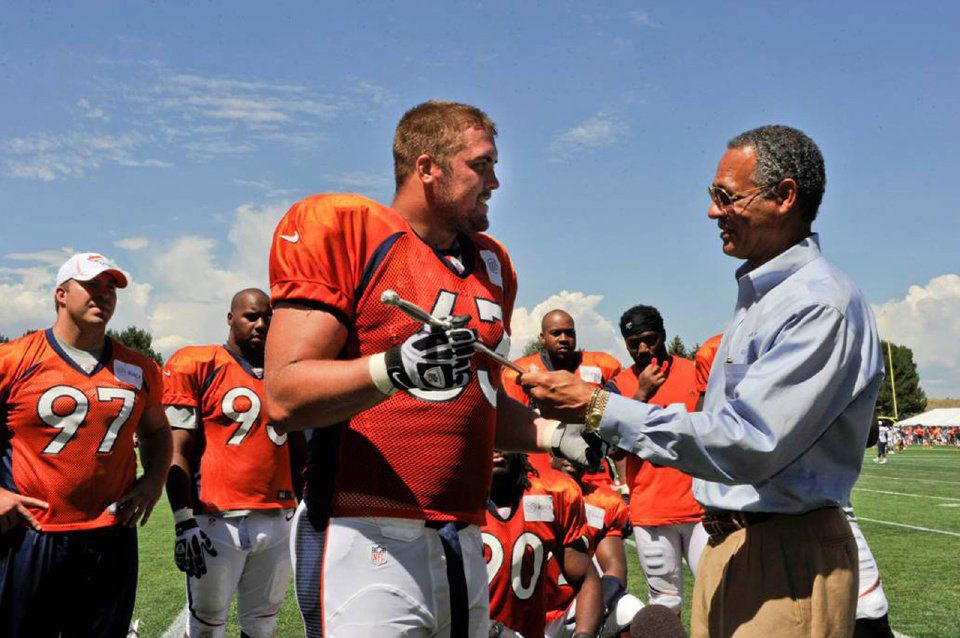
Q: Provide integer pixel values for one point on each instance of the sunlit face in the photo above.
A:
(464, 186)
(749, 228)
(88, 303)
(249, 321)
(559, 337)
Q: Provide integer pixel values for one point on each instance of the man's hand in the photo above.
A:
(137, 504)
(650, 380)
(188, 550)
(14, 512)
(571, 442)
(559, 394)
(434, 358)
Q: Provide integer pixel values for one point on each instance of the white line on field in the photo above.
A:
(916, 527)
(941, 498)
(907, 478)
(179, 625)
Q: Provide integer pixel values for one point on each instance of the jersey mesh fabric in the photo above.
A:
(518, 547)
(423, 456)
(245, 464)
(704, 360)
(662, 495)
(68, 435)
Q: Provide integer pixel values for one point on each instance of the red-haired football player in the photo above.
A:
(71, 400)
(607, 524)
(558, 339)
(664, 514)
(386, 543)
(529, 518)
(230, 485)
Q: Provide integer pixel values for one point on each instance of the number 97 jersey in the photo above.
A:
(67, 433)
(239, 462)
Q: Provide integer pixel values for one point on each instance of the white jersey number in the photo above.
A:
(488, 312)
(522, 587)
(246, 419)
(69, 423)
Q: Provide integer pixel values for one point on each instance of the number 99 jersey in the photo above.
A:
(239, 462)
(420, 455)
(67, 434)
(549, 518)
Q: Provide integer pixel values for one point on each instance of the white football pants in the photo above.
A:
(253, 560)
(871, 601)
(661, 550)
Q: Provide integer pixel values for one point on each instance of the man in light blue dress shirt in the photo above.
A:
(779, 443)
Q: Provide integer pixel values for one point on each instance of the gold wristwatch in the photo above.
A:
(595, 408)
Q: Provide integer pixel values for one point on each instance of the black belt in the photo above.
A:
(721, 523)
(453, 553)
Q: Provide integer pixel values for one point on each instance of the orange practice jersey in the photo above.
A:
(550, 517)
(239, 461)
(596, 368)
(67, 434)
(661, 495)
(606, 516)
(417, 454)
(704, 360)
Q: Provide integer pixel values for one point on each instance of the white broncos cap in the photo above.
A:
(86, 266)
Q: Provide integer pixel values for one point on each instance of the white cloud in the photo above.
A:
(91, 112)
(643, 19)
(47, 157)
(132, 243)
(594, 331)
(603, 129)
(360, 180)
(927, 320)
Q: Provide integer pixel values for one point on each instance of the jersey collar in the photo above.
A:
(101, 363)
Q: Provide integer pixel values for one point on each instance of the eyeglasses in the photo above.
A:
(723, 199)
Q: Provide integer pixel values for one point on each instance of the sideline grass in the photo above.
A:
(920, 570)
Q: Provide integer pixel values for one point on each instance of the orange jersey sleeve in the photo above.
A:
(704, 361)
(661, 495)
(239, 462)
(68, 433)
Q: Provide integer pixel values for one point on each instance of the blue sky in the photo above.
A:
(173, 137)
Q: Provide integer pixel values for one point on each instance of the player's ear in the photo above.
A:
(230, 319)
(426, 169)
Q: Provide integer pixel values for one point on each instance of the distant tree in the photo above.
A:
(676, 347)
(692, 352)
(29, 332)
(3, 338)
(911, 399)
(137, 339)
(534, 347)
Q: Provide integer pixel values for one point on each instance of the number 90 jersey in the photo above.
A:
(550, 517)
(67, 434)
(422, 455)
(239, 461)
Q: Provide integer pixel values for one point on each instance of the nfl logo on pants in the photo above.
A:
(378, 555)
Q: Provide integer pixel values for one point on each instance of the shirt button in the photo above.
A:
(614, 439)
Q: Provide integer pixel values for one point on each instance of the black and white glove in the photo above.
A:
(188, 551)
(499, 630)
(613, 590)
(434, 358)
(573, 442)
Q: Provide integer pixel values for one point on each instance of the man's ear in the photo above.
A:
(426, 169)
(786, 193)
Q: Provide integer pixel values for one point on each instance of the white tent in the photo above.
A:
(942, 417)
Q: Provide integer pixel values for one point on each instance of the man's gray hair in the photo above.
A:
(784, 152)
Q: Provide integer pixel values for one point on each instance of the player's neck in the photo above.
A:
(89, 338)
(569, 364)
(505, 491)
(414, 208)
(253, 358)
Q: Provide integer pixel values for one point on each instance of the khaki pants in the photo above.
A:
(789, 576)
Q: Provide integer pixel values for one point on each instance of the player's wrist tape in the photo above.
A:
(377, 365)
(183, 514)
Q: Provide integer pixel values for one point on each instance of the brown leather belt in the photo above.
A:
(721, 523)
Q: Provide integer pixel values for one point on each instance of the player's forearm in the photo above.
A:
(589, 611)
(156, 451)
(319, 393)
(521, 429)
(612, 558)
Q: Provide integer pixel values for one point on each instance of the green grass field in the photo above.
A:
(920, 567)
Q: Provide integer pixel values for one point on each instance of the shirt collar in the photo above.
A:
(765, 277)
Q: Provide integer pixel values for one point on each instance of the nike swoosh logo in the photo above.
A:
(166, 372)
(294, 238)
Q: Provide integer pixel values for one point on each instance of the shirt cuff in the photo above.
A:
(622, 422)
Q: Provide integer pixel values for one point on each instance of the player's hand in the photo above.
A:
(650, 380)
(188, 551)
(612, 589)
(572, 442)
(434, 358)
(14, 512)
(559, 394)
(137, 504)
(499, 630)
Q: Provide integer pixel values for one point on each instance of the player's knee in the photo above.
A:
(253, 626)
(670, 599)
(655, 561)
(206, 627)
(873, 604)
(621, 615)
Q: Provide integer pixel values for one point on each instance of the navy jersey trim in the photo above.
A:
(373, 264)
(247, 367)
(101, 362)
(611, 386)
